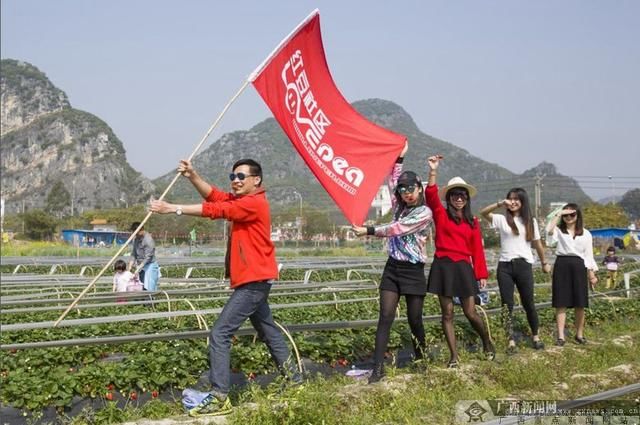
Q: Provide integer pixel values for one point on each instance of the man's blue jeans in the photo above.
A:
(248, 301)
(151, 276)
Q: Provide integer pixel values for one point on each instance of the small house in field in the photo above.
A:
(103, 234)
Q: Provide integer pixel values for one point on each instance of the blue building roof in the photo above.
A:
(611, 232)
(94, 237)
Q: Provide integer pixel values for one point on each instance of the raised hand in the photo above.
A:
(434, 161)
(405, 149)
(185, 168)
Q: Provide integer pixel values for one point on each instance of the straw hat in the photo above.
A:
(458, 182)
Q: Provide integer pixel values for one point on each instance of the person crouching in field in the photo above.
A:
(611, 263)
(122, 278)
(459, 261)
(573, 267)
(404, 272)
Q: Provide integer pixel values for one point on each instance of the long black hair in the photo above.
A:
(579, 229)
(525, 213)
(466, 211)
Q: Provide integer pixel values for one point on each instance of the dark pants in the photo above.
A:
(248, 301)
(517, 273)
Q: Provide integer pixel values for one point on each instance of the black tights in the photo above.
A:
(469, 308)
(517, 274)
(388, 305)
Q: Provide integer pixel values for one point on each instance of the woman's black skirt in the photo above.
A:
(452, 278)
(569, 286)
(403, 277)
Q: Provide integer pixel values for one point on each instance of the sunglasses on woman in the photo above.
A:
(406, 189)
(572, 215)
(458, 194)
(240, 176)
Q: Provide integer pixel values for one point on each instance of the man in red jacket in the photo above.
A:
(250, 263)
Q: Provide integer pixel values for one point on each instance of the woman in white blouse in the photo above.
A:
(519, 232)
(574, 264)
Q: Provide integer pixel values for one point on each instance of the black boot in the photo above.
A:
(377, 374)
(419, 350)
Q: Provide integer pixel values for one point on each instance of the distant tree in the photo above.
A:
(630, 202)
(490, 236)
(611, 215)
(315, 222)
(58, 200)
(39, 225)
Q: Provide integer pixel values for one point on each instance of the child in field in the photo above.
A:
(122, 278)
(611, 262)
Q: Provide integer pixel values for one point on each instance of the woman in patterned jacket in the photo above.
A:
(404, 272)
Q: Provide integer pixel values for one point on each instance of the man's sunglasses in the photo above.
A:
(240, 176)
(406, 189)
(572, 215)
(457, 194)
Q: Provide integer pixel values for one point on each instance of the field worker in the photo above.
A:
(403, 274)
(144, 257)
(250, 263)
(459, 261)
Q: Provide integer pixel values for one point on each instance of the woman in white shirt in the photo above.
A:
(518, 233)
(574, 263)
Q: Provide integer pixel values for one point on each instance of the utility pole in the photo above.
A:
(73, 195)
(23, 216)
(613, 196)
(538, 192)
(296, 193)
(2, 216)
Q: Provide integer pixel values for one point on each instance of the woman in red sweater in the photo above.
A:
(459, 258)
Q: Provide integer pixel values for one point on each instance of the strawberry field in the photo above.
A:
(143, 347)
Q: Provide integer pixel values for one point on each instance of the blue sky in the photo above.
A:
(513, 82)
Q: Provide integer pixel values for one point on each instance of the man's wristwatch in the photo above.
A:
(179, 210)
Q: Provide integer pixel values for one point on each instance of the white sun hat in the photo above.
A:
(458, 182)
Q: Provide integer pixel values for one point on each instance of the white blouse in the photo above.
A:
(581, 246)
(512, 245)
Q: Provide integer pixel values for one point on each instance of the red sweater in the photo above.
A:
(251, 256)
(459, 242)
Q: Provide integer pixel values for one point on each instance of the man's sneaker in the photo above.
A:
(212, 406)
(191, 398)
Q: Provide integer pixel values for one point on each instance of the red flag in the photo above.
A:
(348, 154)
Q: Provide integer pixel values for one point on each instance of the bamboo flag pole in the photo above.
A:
(175, 179)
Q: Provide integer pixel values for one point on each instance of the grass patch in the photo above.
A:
(412, 397)
(18, 248)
